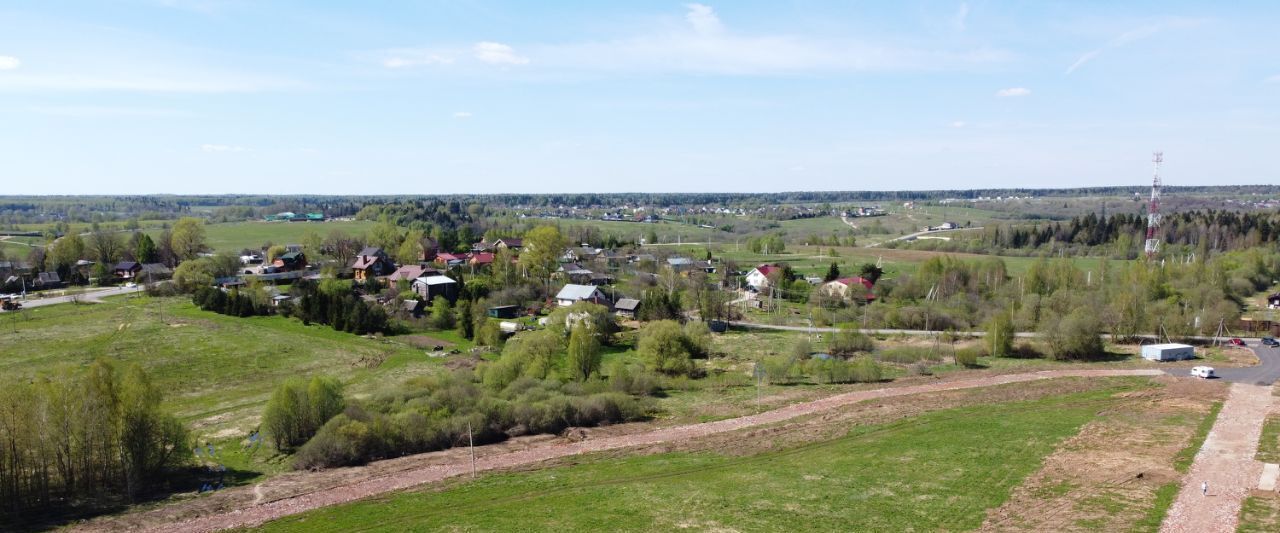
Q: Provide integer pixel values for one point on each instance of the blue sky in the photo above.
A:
(214, 96)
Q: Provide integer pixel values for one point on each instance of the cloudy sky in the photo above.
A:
(227, 96)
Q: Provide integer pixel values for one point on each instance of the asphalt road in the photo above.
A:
(95, 296)
(1265, 373)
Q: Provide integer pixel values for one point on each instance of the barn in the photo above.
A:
(1168, 352)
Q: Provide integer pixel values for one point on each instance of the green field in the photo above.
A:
(937, 471)
(236, 236)
(211, 364)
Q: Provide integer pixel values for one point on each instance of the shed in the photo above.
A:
(1168, 352)
(504, 311)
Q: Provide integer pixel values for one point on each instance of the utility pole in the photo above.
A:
(472, 444)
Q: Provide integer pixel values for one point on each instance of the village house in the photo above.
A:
(409, 273)
(572, 293)
(856, 288)
(152, 272)
(290, 261)
(371, 262)
(126, 270)
(480, 259)
(758, 277)
(508, 244)
(450, 260)
(626, 307)
(47, 280)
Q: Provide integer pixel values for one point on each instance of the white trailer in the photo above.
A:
(1168, 352)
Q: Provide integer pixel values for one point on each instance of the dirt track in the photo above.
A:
(247, 514)
(1226, 462)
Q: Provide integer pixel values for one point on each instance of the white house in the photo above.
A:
(572, 293)
(841, 288)
(758, 278)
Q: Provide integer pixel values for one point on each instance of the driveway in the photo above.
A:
(1265, 373)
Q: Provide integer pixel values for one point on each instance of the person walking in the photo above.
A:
(1204, 488)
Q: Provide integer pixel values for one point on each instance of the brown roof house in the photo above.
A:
(371, 262)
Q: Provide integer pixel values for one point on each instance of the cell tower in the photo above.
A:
(1152, 245)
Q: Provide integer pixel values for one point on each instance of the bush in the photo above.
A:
(1075, 336)
(907, 355)
(849, 341)
(298, 409)
(665, 348)
(967, 357)
(866, 370)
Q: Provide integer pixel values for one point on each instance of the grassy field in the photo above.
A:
(211, 364)
(935, 471)
(1269, 445)
(236, 236)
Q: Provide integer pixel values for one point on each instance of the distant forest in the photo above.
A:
(33, 209)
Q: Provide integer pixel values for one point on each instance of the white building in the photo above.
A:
(1168, 352)
(572, 294)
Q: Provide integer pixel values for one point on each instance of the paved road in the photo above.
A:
(94, 296)
(1265, 373)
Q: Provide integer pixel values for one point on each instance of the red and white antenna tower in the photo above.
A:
(1152, 245)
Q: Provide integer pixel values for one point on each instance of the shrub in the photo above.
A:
(665, 348)
(1075, 336)
(967, 357)
(298, 409)
(849, 341)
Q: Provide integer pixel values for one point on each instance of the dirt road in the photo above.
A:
(1226, 462)
(251, 515)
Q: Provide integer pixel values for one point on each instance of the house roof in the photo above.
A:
(435, 280)
(511, 243)
(291, 256)
(372, 250)
(627, 304)
(850, 281)
(48, 277)
(573, 268)
(481, 257)
(127, 265)
(407, 272)
(366, 261)
(156, 268)
(768, 269)
(679, 261)
(573, 291)
(447, 256)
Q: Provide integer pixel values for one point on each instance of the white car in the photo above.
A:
(130, 285)
(1204, 372)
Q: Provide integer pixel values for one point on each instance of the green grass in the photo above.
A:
(936, 471)
(1269, 445)
(236, 236)
(1259, 515)
(1182, 461)
(1160, 507)
(209, 363)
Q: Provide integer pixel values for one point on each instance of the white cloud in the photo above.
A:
(497, 54)
(1273, 79)
(703, 19)
(408, 57)
(703, 45)
(218, 148)
(462, 114)
(9, 63)
(1136, 34)
(958, 124)
(1013, 91)
(958, 21)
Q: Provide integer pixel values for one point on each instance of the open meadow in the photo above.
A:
(951, 462)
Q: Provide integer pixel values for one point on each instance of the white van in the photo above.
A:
(1205, 372)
